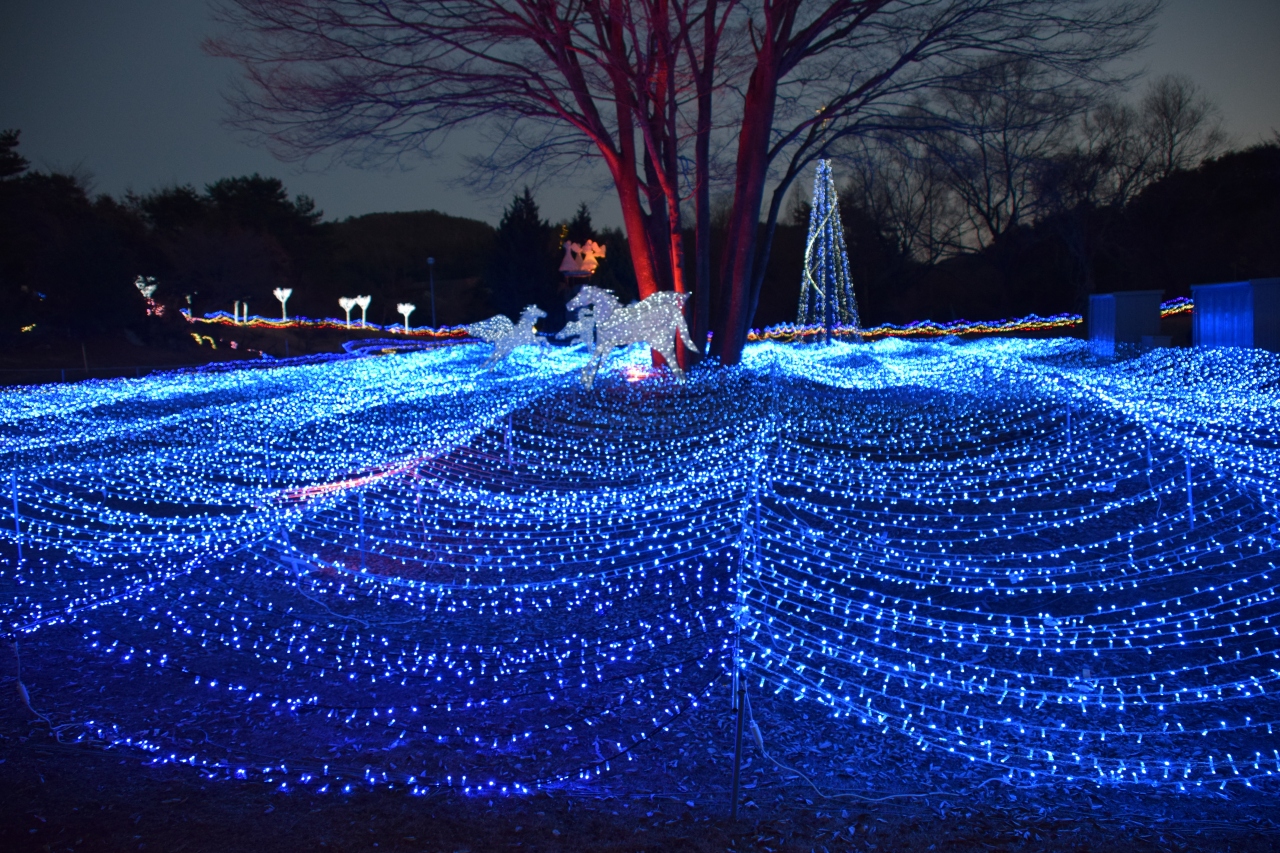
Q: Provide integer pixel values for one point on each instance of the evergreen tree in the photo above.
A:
(523, 270)
(579, 229)
(11, 162)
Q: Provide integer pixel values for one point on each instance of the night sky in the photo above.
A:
(122, 92)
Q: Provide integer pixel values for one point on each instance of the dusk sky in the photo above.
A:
(122, 91)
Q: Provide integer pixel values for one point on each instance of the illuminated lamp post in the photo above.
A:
(283, 294)
(363, 302)
(347, 303)
(406, 308)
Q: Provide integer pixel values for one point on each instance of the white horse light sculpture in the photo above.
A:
(655, 321)
(505, 335)
(346, 303)
(581, 330)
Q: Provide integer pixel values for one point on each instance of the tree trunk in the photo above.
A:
(748, 192)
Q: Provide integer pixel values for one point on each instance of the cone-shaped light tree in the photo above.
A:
(826, 290)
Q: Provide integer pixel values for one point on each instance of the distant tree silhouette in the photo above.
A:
(238, 240)
(579, 229)
(11, 162)
(385, 255)
(524, 266)
(67, 262)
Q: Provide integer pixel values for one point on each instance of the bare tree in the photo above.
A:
(773, 84)
(1179, 125)
(1003, 126)
(1117, 151)
(903, 188)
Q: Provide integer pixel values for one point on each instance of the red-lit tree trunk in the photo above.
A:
(744, 221)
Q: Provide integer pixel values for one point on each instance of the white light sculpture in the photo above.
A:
(506, 336)
(346, 303)
(363, 302)
(406, 308)
(656, 321)
(581, 330)
(146, 286)
(283, 294)
(581, 259)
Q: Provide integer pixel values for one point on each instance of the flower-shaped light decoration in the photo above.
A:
(363, 302)
(347, 303)
(283, 294)
(406, 308)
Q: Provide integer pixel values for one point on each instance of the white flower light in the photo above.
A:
(406, 308)
(346, 303)
(283, 294)
(363, 302)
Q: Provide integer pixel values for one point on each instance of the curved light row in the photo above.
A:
(1012, 554)
(407, 569)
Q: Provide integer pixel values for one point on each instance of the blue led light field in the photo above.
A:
(406, 569)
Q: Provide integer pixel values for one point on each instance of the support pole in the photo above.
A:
(431, 272)
(506, 439)
(737, 750)
(1191, 506)
(17, 519)
(360, 507)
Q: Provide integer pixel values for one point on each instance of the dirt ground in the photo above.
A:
(56, 797)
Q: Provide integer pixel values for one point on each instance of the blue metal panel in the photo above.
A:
(1102, 324)
(1266, 313)
(1223, 315)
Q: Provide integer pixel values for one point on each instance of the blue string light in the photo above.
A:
(408, 570)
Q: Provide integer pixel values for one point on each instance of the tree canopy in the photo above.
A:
(670, 95)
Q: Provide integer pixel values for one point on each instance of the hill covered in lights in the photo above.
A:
(1002, 555)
